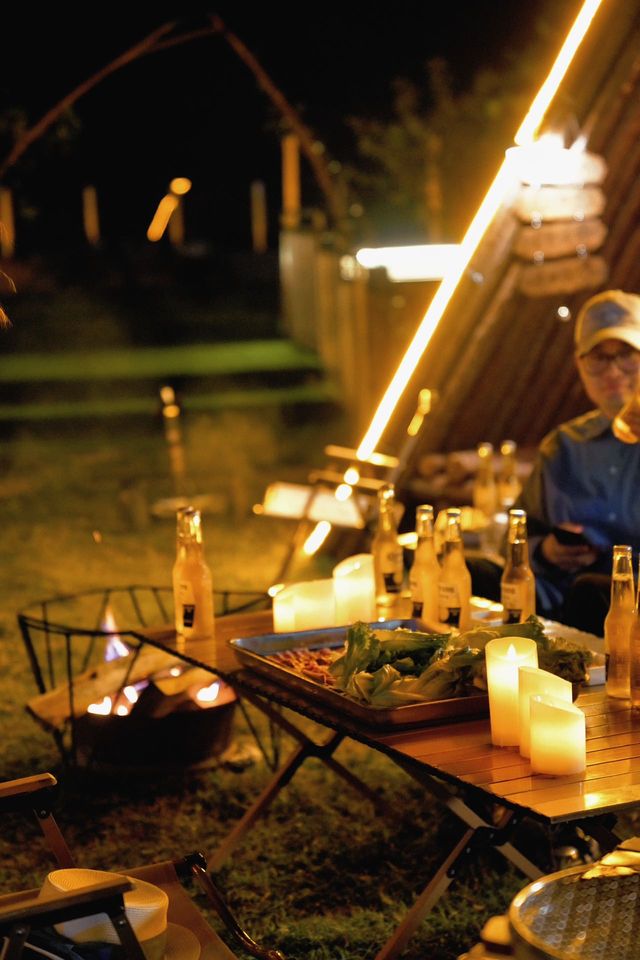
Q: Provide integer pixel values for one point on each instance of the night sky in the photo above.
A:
(195, 110)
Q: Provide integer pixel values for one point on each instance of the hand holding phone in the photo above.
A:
(570, 538)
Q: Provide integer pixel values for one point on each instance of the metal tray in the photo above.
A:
(255, 652)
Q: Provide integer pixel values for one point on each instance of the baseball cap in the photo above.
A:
(612, 315)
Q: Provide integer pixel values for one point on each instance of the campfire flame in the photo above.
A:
(208, 694)
(114, 647)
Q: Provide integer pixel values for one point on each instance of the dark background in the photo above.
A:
(195, 110)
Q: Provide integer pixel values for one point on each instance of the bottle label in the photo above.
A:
(416, 610)
(187, 602)
(188, 614)
(449, 604)
(514, 598)
(391, 568)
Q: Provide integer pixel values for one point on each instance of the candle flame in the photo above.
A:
(103, 708)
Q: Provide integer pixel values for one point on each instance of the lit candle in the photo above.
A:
(284, 613)
(504, 656)
(354, 589)
(532, 682)
(314, 604)
(558, 737)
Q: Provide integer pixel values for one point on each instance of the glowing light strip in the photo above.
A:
(547, 91)
(483, 217)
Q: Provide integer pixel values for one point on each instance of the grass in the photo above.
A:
(321, 877)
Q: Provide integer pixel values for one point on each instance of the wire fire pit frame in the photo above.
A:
(65, 635)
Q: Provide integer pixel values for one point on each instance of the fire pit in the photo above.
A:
(110, 701)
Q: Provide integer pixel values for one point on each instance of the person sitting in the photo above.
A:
(582, 495)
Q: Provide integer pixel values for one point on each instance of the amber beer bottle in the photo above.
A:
(192, 584)
(485, 492)
(454, 587)
(617, 624)
(508, 484)
(634, 651)
(387, 552)
(424, 575)
(518, 585)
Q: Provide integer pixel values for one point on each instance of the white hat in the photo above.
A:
(612, 315)
(145, 906)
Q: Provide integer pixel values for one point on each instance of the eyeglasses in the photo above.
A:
(596, 361)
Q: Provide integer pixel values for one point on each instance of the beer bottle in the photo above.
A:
(192, 585)
(508, 484)
(485, 493)
(617, 624)
(454, 587)
(425, 569)
(518, 585)
(387, 552)
(634, 650)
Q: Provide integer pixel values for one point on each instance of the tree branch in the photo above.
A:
(333, 196)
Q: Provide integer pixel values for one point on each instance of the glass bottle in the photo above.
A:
(425, 569)
(634, 651)
(620, 427)
(509, 486)
(485, 492)
(192, 584)
(454, 587)
(518, 585)
(617, 624)
(387, 552)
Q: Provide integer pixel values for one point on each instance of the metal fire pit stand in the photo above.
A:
(65, 636)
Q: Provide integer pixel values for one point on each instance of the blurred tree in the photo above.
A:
(425, 170)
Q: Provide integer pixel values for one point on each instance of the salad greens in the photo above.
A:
(388, 668)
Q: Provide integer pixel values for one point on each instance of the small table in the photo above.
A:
(454, 761)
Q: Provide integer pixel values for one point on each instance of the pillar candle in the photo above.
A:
(558, 737)
(504, 656)
(531, 682)
(314, 604)
(284, 614)
(354, 589)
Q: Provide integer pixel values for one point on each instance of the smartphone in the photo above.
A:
(569, 538)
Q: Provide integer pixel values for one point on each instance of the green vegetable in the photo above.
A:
(369, 649)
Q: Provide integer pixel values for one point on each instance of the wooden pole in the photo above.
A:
(7, 224)
(290, 181)
(176, 225)
(259, 231)
(90, 216)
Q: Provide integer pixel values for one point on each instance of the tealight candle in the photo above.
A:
(558, 737)
(504, 655)
(532, 682)
(355, 590)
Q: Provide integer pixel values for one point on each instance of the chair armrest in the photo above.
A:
(22, 794)
(42, 911)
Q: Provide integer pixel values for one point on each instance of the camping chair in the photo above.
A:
(319, 500)
(29, 911)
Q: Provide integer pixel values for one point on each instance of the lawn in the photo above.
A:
(322, 877)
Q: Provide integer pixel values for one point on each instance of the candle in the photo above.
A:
(284, 614)
(314, 604)
(532, 682)
(558, 737)
(354, 589)
(504, 656)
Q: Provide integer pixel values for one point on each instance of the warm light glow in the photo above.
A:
(180, 186)
(316, 538)
(351, 475)
(175, 671)
(122, 710)
(495, 196)
(103, 708)
(275, 589)
(423, 408)
(171, 411)
(343, 491)
(161, 217)
(131, 694)
(209, 694)
(427, 261)
(547, 161)
(547, 91)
